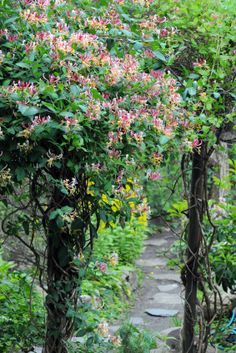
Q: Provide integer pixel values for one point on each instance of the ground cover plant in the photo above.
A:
(22, 315)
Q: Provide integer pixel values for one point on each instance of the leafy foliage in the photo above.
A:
(126, 242)
(22, 313)
(135, 341)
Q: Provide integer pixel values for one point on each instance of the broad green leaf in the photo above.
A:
(28, 111)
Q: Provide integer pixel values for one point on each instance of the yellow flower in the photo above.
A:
(105, 198)
(116, 205)
(143, 219)
(132, 204)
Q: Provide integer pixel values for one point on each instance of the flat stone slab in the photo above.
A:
(78, 339)
(113, 328)
(168, 276)
(37, 350)
(151, 262)
(136, 321)
(155, 242)
(162, 349)
(167, 287)
(173, 335)
(168, 298)
(161, 312)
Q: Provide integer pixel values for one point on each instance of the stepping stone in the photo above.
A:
(113, 329)
(173, 335)
(168, 276)
(136, 321)
(168, 299)
(151, 262)
(155, 242)
(78, 339)
(37, 350)
(161, 312)
(168, 287)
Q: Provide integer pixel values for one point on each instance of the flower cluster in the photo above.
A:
(102, 266)
(103, 330)
(80, 101)
(5, 177)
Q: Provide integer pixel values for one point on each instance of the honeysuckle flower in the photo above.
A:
(34, 17)
(196, 143)
(138, 136)
(199, 63)
(116, 340)
(157, 158)
(102, 266)
(71, 121)
(12, 37)
(103, 328)
(96, 166)
(38, 120)
(5, 177)
(70, 185)
(70, 217)
(154, 175)
(114, 259)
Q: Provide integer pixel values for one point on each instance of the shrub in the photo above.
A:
(21, 323)
(135, 341)
(126, 242)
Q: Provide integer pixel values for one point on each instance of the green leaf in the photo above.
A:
(50, 107)
(191, 91)
(127, 33)
(20, 173)
(25, 225)
(163, 139)
(23, 65)
(28, 111)
(216, 95)
(159, 56)
(96, 94)
(11, 20)
(67, 114)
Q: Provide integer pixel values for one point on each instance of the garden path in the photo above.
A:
(161, 289)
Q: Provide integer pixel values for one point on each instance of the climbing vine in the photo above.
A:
(94, 95)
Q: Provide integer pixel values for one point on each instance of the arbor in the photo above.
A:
(80, 113)
(88, 104)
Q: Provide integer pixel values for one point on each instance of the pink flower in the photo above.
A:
(158, 74)
(12, 37)
(154, 176)
(114, 153)
(168, 131)
(52, 79)
(96, 167)
(70, 121)
(22, 86)
(158, 19)
(163, 32)
(102, 266)
(196, 143)
(38, 120)
(199, 63)
(138, 136)
(149, 53)
(158, 123)
(62, 26)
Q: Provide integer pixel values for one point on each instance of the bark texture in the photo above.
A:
(194, 242)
